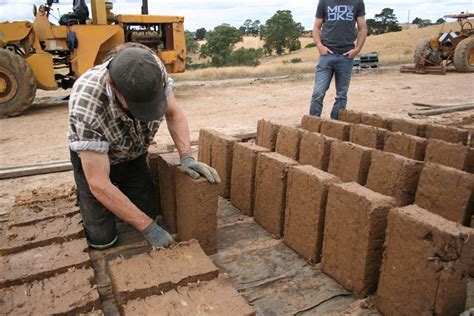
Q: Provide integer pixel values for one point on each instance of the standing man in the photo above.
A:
(115, 110)
(334, 34)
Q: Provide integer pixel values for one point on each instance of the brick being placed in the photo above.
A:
(29, 214)
(452, 155)
(270, 191)
(305, 210)
(423, 265)
(315, 150)
(196, 210)
(408, 127)
(368, 136)
(267, 133)
(242, 189)
(405, 145)
(374, 120)
(354, 233)
(288, 141)
(395, 176)
(214, 297)
(447, 192)
(449, 134)
(70, 293)
(161, 270)
(55, 230)
(349, 116)
(167, 167)
(336, 129)
(43, 262)
(350, 162)
(222, 152)
(311, 123)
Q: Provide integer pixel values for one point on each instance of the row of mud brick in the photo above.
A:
(45, 268)
(375, 219)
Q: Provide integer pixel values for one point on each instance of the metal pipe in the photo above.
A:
(144, 6)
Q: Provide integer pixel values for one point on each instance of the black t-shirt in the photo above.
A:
(339, 18)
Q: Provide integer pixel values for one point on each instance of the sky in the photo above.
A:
(210, 13)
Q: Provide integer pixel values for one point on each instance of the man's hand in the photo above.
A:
(195, 169)
(352, 53)
(323, 50)
(157, 236)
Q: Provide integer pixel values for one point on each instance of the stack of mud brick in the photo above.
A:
(45, 267)
(344, 193)
(181, 280)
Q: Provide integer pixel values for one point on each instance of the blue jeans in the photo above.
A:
(341, 67)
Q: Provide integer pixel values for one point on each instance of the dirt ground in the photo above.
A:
(231, 106)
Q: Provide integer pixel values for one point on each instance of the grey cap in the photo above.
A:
(137, 76)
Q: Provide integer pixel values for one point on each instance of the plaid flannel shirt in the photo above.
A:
(98, 123)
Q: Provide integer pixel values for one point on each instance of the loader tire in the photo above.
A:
(463, 58)
(17, 84)
(420, 50)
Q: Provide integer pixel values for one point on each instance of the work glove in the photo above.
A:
(157, 236)
(195, 169)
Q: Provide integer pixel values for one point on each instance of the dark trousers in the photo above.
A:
(133, 178)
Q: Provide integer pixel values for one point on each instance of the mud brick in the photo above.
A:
(408, 146)
(447, 192)
(29, 214)
(349, 116)
(216, 297)
(267, 134)
(270, 191)
(242, 189)
(354, 233)
(311, 123)
(336, 129)
(222, 152)
(315, 149)
(448, 154)
(374, 120)
(288, 142)
(167, 166)
(368, 136)
(408, 127)
(69, 293)
(161, 270)
(350, 162)
(447, 133)
(395, 176)
(422, 269)
(206, 138)
(55, 230)
(43, 262)
(196, 210)
(305, 210)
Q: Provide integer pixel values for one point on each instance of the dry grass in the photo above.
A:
(393, 48)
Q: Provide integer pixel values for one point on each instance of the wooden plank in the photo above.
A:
(447, 109)
(22, 171)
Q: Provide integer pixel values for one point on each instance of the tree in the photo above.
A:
(416, 21)
(389, 21)
(248, 26)
(246, 57)
(374, 27)
(200, 34)
(280, 32)
(220, 44)
(255, 29)
(440, 21)
(192, 46)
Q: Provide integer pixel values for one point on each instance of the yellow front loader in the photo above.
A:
(40, 55)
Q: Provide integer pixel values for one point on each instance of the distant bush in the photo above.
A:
(310, 45)
(246, 57)
(296, 60)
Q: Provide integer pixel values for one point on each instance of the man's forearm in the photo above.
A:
(179, 131)
(361, 38)
(317, 36)
(116, 202)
